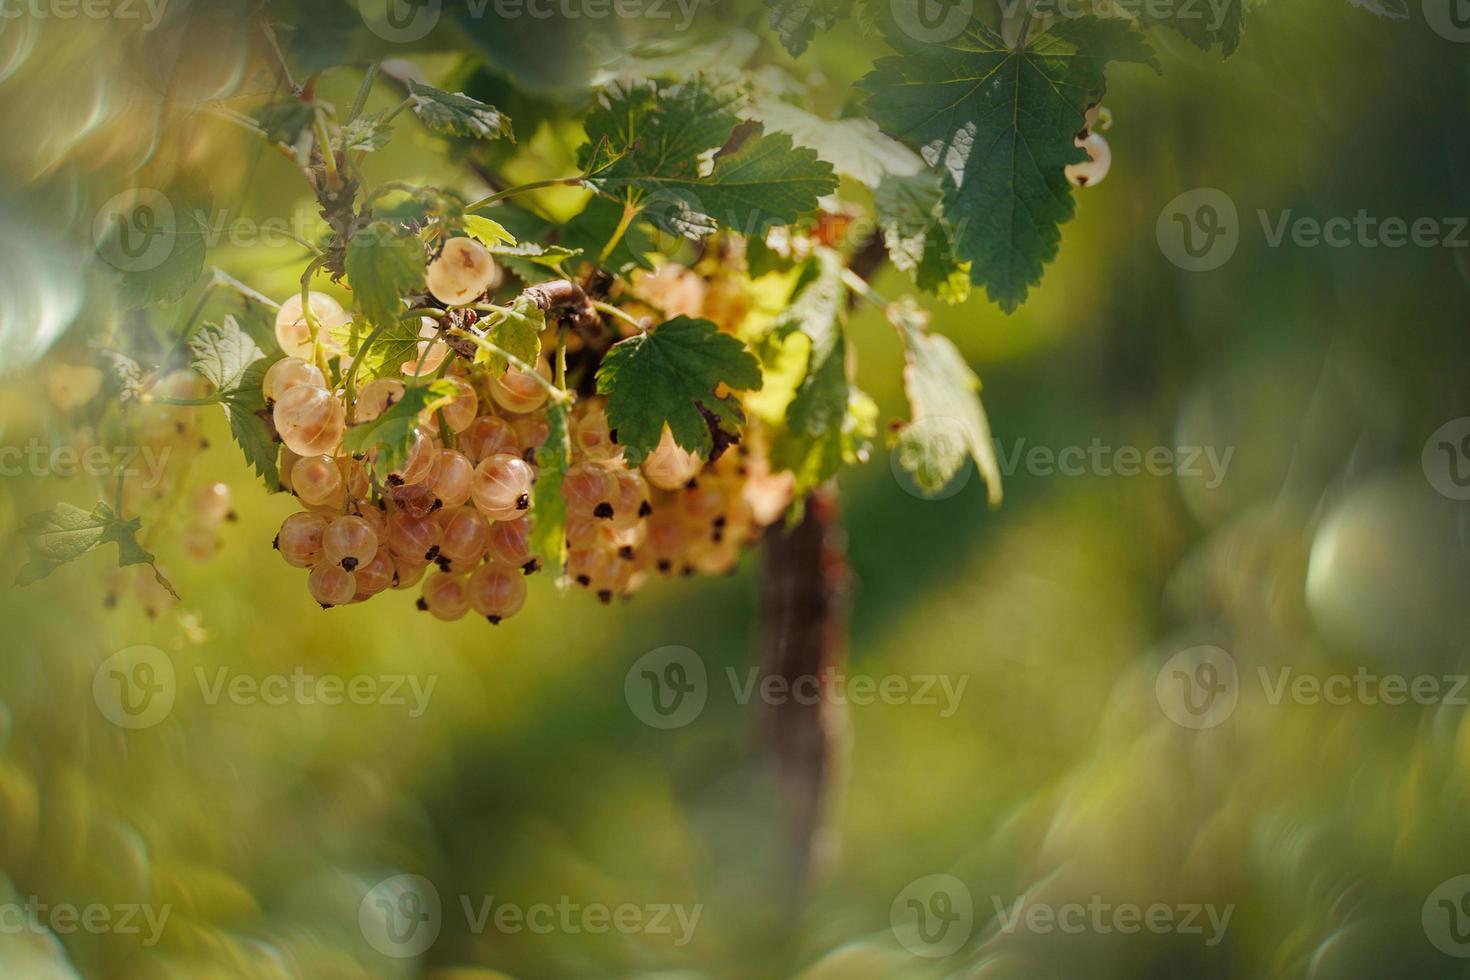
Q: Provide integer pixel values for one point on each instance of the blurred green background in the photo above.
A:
(1324, 828)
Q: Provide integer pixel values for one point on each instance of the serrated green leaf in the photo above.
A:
(230, 360)
(548, 506)
(487, 232)
(384, 264)
(367, 133)
(517, 334)
(665, 376)
(918, 238)
(393, 432)
(1001, 123)
(645, 144)
(456, 114)
(160, 241)
(1210, 26)
(65, 533)
(856, 147)
(796, 21)
(947, 421)
(396, 343)
(590, 230)
(533, 263)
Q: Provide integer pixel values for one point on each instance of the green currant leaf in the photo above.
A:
(796, 21)
(594, 227)
(384, 263)
(947, 421)
(367, 132)
(393, 432)
(489, 233)
(917, 236)
(856, 147)
(65, 533)
(517, 334)
(456, 114)
(645, 145)
(548, 506)
(159, 241)
(669, 376)
(532, 263)
(828, 421)
(230, 360)
(1001, 123)
(396, 343)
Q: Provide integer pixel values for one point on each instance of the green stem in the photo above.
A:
(312, 323)
(363, 91)
(398, 108)
(629, 213)
(557, 394)
(522, 188)
(609, 310)
(348, 390)
(324, 143)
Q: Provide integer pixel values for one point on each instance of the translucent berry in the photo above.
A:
(502, 486)
(413, 538)
(451, 477)
(465, 535)
(349, 541)
(446, 596)
(376, 398)
(670, 466)
(587, 486)
(510, 543)
(310, 420)
(287, 373)
(212, 503)
(519, 392)
(1092, 170)
(300, 539)
(317, 480)
(376, 575)
(463, 271)
(294, 333)
(487, 436)
(331, 585)
(497, 593)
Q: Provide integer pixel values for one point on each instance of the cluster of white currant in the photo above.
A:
(460, 499)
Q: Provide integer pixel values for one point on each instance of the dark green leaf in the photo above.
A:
(286, 120)
(1001, 123)
(230, 360)
(65, 533)
(795, 21)
(918, 238)
(664, 378)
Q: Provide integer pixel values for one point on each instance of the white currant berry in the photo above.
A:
(630, 504)
(317, 480)
(459, 412)
(287, 373)
(446, 596)
(496, 593)
(592, 438)
(200, 543)
(413, 538)
(416, 465)
(310, 420)
(212, 503)
(331, 585)
(407, 573)
(465, 534)
(414, 500)
(451, 477)
(587, 488)
(426, 359)
(670, 465)
(502, 486)
(349, 541)
(517, 391)
(293, 333)
(377, 575)
(510, 543)
(463, 271)
(376, 397)
(487, 436)
(1092, 170)
(300, 539)
(531, 432)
